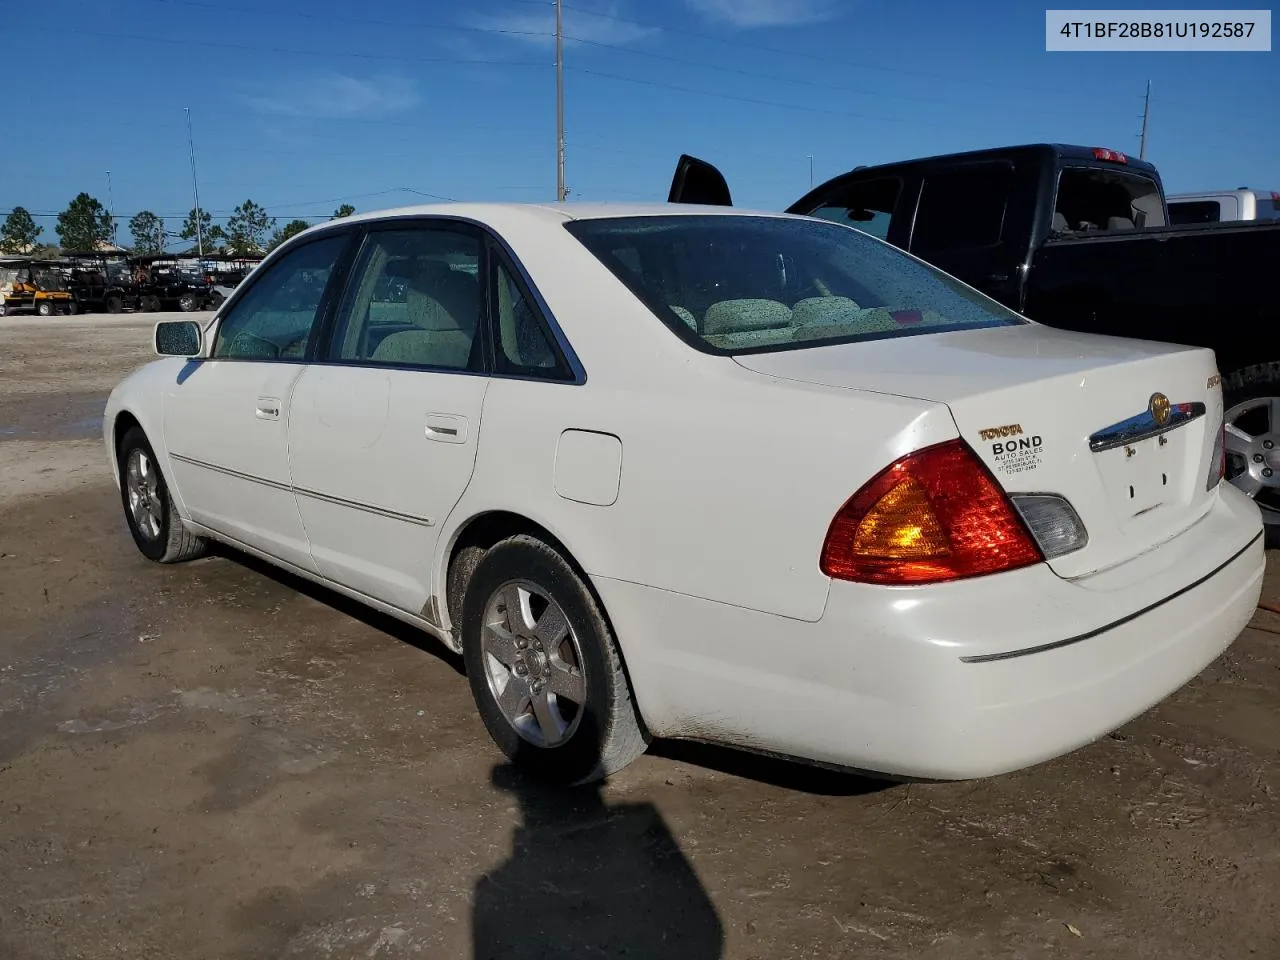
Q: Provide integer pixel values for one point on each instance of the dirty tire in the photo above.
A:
(1241, 386)
(609, 734)
(174, 542)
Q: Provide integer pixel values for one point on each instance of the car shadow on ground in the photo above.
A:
(389, 625)
(586, 878)
(773, 771)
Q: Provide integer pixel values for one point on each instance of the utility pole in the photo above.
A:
(1146, 112)
(111, 209)
(560, 190)
(195, 187)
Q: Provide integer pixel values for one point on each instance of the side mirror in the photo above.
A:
(178, 338)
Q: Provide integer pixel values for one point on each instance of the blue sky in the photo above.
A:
(299, 106)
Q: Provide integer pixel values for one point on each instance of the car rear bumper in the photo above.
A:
(950, 681)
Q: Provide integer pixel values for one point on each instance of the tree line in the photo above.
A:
(86, 225)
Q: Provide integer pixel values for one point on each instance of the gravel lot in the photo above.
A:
(214, 760)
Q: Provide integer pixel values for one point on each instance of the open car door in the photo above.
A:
(697, 181)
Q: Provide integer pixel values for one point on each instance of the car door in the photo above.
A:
(382, 432)
(973, 222)
(226, 417)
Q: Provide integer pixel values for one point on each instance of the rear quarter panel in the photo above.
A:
(729, 478)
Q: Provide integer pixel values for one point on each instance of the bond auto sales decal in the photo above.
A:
(1012, 451)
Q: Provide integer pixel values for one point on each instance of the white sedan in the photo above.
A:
(693, 472)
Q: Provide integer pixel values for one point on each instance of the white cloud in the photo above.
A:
(765, 13)
(538, 26)
(336, 95)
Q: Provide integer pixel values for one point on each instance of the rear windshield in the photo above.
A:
(742, 284)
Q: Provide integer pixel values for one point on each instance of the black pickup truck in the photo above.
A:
(1078, 238)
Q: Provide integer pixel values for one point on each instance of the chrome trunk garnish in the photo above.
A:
(1160, 417)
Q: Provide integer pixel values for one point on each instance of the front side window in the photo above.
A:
(739, 284)
(277, 317)
(962, 209)
(865, 206)
(414, 300)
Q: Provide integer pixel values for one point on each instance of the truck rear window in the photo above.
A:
(730, 284)
(1090, 199)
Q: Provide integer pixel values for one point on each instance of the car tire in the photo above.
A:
(114, 305)
(45, 309)
(1251, 401)
(547, 676)
(73, 308)
(187, 303)
(153, 520)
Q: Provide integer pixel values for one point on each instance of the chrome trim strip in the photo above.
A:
(366, 507)
(313, 494)
(275, 484)
(1027, 651)
(1144, 427)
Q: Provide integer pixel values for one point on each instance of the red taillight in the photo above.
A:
(1115, 156)
(936, 514)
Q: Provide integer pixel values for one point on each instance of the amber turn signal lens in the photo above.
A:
(936, 514)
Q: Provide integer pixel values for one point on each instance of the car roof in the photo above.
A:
(498, 214)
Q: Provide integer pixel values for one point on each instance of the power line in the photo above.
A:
(213, 44)
(815, 57)
(366, 21)
(803, 108)
(226, 215)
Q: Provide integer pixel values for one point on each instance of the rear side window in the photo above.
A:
(962, 209)
(731, 284)
(1195, 211)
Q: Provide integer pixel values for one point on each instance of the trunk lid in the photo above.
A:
(1051, 411)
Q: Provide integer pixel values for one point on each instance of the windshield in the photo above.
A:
(743, 284)
(49, 279)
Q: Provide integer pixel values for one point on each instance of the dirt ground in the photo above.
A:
(214, 760)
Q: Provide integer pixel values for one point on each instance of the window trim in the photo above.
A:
(337, 281)
(328, 341)
(1005, 166)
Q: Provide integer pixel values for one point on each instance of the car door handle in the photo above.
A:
(268, 409)
(446, 427)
